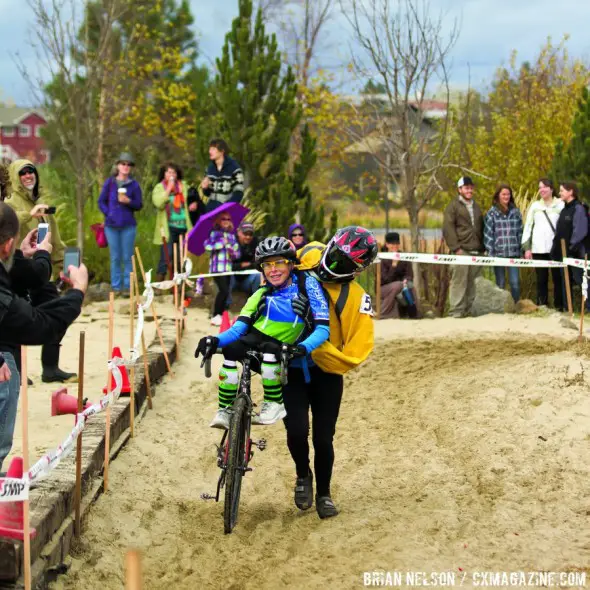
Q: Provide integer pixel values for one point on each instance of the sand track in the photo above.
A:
(439, 466)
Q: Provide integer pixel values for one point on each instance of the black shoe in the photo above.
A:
(29, 381)
(325, 507)
(58, 376)
(304, 492)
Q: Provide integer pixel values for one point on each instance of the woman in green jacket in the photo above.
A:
(173, 220)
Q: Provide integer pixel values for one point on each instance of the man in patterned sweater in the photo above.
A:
(224, 181)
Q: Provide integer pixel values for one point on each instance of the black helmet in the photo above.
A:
(275, 246)
(351, 250)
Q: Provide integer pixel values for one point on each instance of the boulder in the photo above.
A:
(525, 306)
(98, 292)
(491, 299)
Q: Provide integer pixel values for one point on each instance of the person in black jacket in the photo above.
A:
(23, 324)
(249, 284)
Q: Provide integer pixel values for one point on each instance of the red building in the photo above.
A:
(20, 134)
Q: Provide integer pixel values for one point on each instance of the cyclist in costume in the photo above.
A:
(348, 253)
(266, 322)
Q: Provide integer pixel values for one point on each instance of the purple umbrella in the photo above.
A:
(204, 225)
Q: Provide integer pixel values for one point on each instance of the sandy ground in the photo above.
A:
(461, 444)
(45, 431)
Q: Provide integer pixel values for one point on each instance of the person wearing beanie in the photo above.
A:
(463, 233)
(297, 235)
(119, 199)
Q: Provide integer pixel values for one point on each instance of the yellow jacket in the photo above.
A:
(21, 200)
(351, 320)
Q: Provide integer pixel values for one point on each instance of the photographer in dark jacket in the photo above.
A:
(23, 324)
(572, 226)
(245, 261)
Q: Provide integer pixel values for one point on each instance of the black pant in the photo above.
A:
(253, 340)
(223, 287)
(323, 394)
(543, 283)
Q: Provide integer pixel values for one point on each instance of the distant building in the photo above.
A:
(20, 134)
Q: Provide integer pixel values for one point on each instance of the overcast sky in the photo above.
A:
(489, 30)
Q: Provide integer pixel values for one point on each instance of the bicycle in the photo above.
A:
(235, 452)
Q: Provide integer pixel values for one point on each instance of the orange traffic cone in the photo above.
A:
(12, 513)
(226, 322)
(62, 403)
(126, 389)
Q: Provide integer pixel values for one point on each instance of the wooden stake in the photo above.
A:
(133, 570)
(24, 398)
(146, 369)
(184, 242)
(176, 322)
(132, 368)
(581, 336)
(566, 276)
(107, 432)
(78, 489)
(378, 291)
(158, 327)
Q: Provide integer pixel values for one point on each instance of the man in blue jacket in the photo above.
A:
(224, 181)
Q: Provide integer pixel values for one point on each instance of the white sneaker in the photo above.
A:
(221, 419)
(270, 413)
(216, 320)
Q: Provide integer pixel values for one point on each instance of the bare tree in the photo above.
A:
(72, 84)
(405, 50)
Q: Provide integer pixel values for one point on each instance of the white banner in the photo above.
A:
(471, 260)
(14, 490)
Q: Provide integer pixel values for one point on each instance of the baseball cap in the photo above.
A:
(246, 227)
(465, 181)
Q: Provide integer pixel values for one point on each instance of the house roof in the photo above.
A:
(14, 115)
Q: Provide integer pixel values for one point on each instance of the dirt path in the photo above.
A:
(450, 453)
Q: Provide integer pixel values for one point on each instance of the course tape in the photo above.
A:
(208, 275)
(472, 260)
(17, 490)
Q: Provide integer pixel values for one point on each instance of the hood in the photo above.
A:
(310, 255)
(295, 226)
(17, 187)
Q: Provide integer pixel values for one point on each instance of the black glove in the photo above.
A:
(296, 350)
(207, 346)
(300, 305)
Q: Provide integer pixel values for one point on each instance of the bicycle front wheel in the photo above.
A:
(235, 463)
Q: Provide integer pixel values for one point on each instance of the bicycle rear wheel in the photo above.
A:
(235, 463)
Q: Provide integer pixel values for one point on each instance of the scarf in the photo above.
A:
(178, 203)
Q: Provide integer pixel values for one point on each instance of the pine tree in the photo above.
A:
(572, 162)
(256, 103)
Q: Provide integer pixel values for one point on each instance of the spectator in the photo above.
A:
(23, 324)
(503, 235)
(223, 248)
(173, 219)
(572, 226)
(247, 246)
(224, 181)
(537, 239)
(398, 296)
(297, 235)
(196, 207)
(30, 201)
(119, 199)
(463, 233)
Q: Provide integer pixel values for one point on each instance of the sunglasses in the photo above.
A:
(225, 219)
(278, 264)
(297, 235)
(27, 170)
(126, 163)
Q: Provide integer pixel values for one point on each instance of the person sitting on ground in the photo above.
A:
(297, 235)
(31, 202)
(21, 323)
(248, 242)
(398, 296)
(224, 182)
(266, 324)
(223, 248)
(173, 219)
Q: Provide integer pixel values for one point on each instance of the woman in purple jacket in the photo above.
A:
(119, 198)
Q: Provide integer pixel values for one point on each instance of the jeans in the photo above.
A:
(248, 284)
(9, 391)
(175, 234)
(121, 242)
(220, 304)
(513, 279)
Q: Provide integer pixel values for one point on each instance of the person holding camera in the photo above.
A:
(21, 322)
(32, 206)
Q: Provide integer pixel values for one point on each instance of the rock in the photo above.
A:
(122, 307)
(430, 315)
(99, 292)
(525, 306)
(567, 323)
(491, 299)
